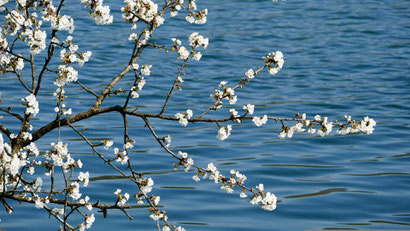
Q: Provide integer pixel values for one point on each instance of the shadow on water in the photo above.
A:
(324, 192)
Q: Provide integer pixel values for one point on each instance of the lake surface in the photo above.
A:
(341, 57)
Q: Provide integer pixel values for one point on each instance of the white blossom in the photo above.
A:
(101, 14)
(197, 56)
(224, 132)
(183, 53)
(108, 144)
(196, 178)
(89, 221)
(167, 140)
(184, 117)
(243, 195)
(75, 191)
(84, 177)
(146, 70)
(196, 40)
(249, 108)
(250, 74)
(259, 121)
(146, 185)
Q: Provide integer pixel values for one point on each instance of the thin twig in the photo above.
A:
(87, 89)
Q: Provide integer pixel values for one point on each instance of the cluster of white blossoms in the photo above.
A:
(234, 114)
(249, 108)
(135, 37)
(141, 80)
(74, 191)
(250, 74)
(72, 55)
(67, 74)
(167, 139)
(129, 144)
(265, 200)
(101, 14)
(274, 61)
(176, 8)
(259, 121)
(8, 63)
(366, 125)
(84, 177)
(183, 53)
(16, 21)
(86, 203)
(146, 70)
(196, 40)
(107, 143)
(146, 185)
(122, 157)
(59, 156)
(89, 220)
(58, 22)
(145, 10)
(40, 202)
(32, 106)
(184, 117)
(122, 198)
(224, 132)
(236, 179)
(227, 93)
(186, 162)
(10, 164)
(30, 30)
(325, 127)
(63, 110)
(199, 17)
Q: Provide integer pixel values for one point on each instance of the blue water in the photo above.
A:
(341, 57)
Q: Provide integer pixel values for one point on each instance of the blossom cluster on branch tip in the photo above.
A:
(58, 22)
(32, 106)
(72, 55)
(274, 61)
(266, 201)
(366, 126)
(199, 17)
(145, 10)
(101, 14)
(228, 93)
(195, 41)
(249, 108)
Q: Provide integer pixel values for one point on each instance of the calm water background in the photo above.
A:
(341, 57)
